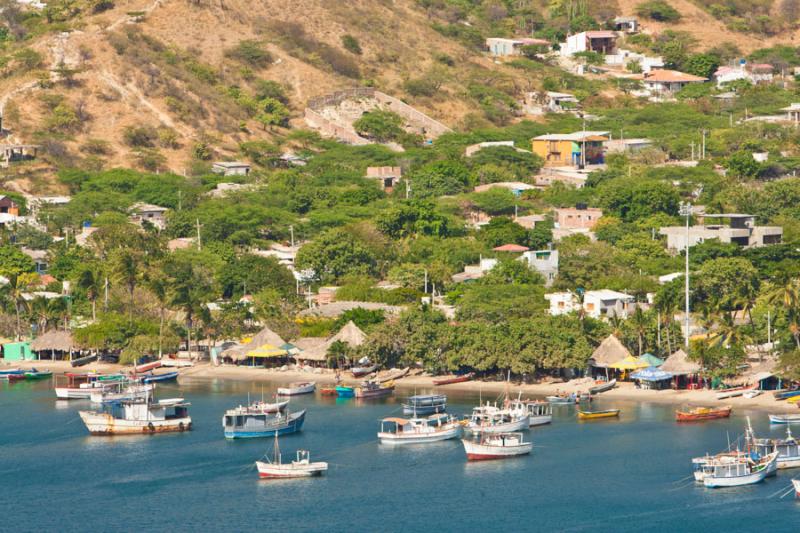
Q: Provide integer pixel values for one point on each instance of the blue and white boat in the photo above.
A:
(154, 378)
(11, 372)
(425, 404)
(247, 422)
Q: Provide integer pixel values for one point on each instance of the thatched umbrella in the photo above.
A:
(350, 334)
(265, 336)
(54, 341)
(678, 364)
(610, 351)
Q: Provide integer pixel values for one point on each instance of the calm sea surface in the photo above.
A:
(625, 475)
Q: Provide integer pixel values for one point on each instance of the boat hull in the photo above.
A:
(682, 416)
(784, 419)
(560, 400)
(294, 424)
(539, 420)
(396, 439)
(345, 392)
(158, 378)
(105, 424)
(288, 471)
(453, 379)
(614, 413)
(481, 452)
(604, 387)
(296, 391)
(505, 427)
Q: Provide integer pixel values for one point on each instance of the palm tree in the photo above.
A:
(91, 279)
(787, 294)
(639, 321)
(126, 271)
(158, 287)
(667, 306)
(17, 283)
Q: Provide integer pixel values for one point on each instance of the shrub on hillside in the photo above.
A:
(383, 126)
(658, 10)
(351, 44)
(250, 53)
(421, 87)
(140, 136)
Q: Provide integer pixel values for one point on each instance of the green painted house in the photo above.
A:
(18, 351)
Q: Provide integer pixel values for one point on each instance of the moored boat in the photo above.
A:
(788, 449)
(14, 378)
(448, 380)
(785, 395)
(71, 386)
(491, 419)
(537, 411)
(159, 378)
(372, 389)
(6, 372)
(725, 457)
(328, 391)
(301, 467)
(603, 387)
(297, 388)
(418, 430)
(35, 375)
(703, 413)
(738, 473)
(565, 399)
(245, 422)
(345, 391)
(593, 415)
(121, 391)
(784, 419)
(496, 446)
(425, 404)
(139, 416)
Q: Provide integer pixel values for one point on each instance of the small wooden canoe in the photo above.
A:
(592, 415)
(703, 413)
(153, 378)
(328, 391)
(603, 387)
(447, 380)
(787, 394)
(35, 375)
(361, 371)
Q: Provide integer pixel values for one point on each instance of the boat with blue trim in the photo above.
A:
(251, 421)
(425, 404)
(156, 378)
(344, 391)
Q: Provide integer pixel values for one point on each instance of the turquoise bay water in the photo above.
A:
(625, 475)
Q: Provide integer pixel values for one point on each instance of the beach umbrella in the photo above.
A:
(267, 350)
(652, 374)
(290, 348)
(651, 360)
(629, 363)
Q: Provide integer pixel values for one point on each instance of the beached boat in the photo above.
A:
(345, 391)
(361, 371)
(73, 386)
(593, 415)
(418, 430)
(447, 380)
(499, 446)
(566, 399)
(703, 413)
(301, 467)
(372, 389)
(491, 419)
(735, 391)
(785, 395)
(738, 473)
(147, 367)
(297, 388)
(784, 419)
(139, 416)
(788, 449)
(6, 372)
(328, 391)
(249, 421)
(425, 404)
(121, 391)
(393, 376)
(159, 378)
(176, 363)
(752, 394)
(603, 387)
(81, 361)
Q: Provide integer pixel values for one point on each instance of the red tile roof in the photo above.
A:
(671, 76)
(511, 248)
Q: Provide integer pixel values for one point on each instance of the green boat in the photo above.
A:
(34, 375)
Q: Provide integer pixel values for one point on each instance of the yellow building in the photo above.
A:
(571, 149)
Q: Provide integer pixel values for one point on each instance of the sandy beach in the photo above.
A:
(423, 383)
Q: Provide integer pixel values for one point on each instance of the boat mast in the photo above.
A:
(276, 452)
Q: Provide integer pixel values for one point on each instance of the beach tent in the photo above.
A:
(266, 336)
(629, 363)
(651, 360)
(651, 373)
(54, 341)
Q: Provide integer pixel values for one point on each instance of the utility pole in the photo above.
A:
(704, 145)
(105, 303)
(686, 211)
(426, 281)
(180, 199)
(199, 244)
(692, 145)
(291, 232)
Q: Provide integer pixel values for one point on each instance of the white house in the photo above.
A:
(755, 73)
(666, 83)
(500, 46)
(545, 262)
(600, 41)
(596, 304)
(623, 57)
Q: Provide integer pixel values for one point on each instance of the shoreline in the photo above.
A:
(623, 391)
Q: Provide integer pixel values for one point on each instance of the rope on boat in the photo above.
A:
(684, 479)
(789, 490)
(785, 491)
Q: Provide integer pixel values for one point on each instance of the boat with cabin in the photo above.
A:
(302, 466)
(496, 446)
(718, 473)
(728, 456)
(373, 389)
(489, 418)
(425, 404)
(250, 421)
(72, 386)
(784, 419)
(788, 449)
(699, 414)
(448, 380)
(297, 388)
(416, 430)
(121, 390)
(594, 415)
(537, 411)
(139, 416)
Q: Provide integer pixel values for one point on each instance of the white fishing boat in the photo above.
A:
(300, 467)
(538, 412)
(121, 391)
(492, 419)
(418, 430)
(788, 449)
(565, 399)
(72, 386)
(425, 404)
(496, 446)
(294, 389)
(784, 419)
(718, 474)
(139, 416)
(698, 463)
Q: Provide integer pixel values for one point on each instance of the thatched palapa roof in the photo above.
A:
(350, 334)
(265, 336)
(610, 351)
(54, 341)
(678, 364)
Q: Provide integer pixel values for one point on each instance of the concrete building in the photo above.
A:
(666, 83)
(578, 217)
(529, 221)
(388, 176)
(571, 149)
(755, 73)
(622, 58)
(231, 168)
(7, 205)
(472, 272)
(741, 230)
(516, 187)
(596, 304)
(153, 214)
(600, 41)
(626, 146)
(545, 262)
(502, 47)
(792, 113)
(566, 175)
(626, 24)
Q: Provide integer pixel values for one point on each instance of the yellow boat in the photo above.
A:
(793, 399)
(592, 415)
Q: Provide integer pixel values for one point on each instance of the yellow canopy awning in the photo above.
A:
(267, 350)
(629, 363)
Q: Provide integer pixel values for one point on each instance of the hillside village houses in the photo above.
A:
(755, 73)
(740, 230)
(601, 41)
(663, 83)
(231, 168)
(596, 304)
(388, 177)
(502, 47)
(152, 214)
(540, 103)
(571, 149)
(545, 262)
